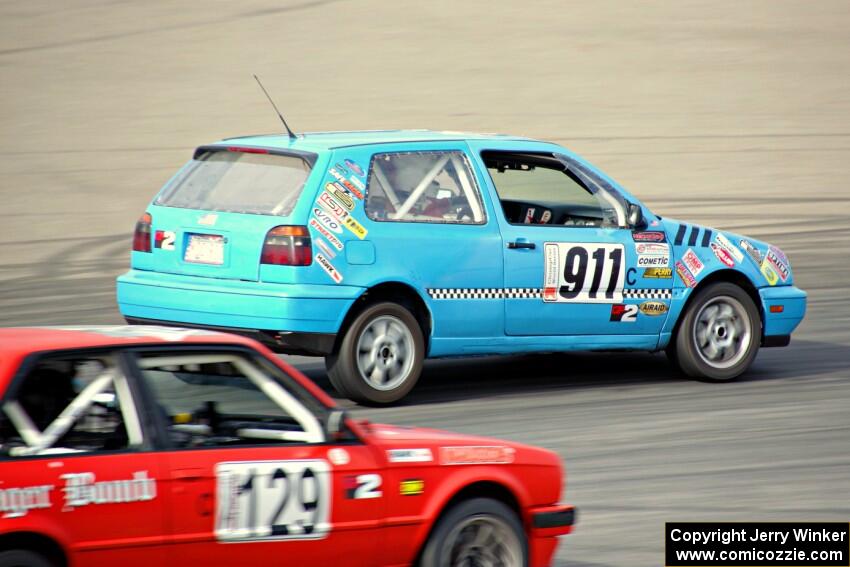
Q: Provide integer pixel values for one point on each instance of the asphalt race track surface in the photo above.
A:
(728, 114)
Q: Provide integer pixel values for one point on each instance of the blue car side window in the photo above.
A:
(428, 186)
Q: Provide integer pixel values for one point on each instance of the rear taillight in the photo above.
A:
(142, 235)
(287, 246)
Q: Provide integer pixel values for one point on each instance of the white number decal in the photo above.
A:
(368, 486)
(168, 237)
(264, 500)
(630, 314)
(583, 272)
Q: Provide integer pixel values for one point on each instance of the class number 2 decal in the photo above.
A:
(583, 272)
(272, 500)
(363, 487)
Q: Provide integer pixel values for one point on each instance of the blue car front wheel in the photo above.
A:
(719, 335)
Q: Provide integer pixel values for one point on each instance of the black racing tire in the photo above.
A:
(719, 335)
(454, 530)
(395, 356)
(23, 558)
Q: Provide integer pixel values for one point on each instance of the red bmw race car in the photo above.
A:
(153, 446)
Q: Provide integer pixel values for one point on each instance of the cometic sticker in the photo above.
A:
(652, 254)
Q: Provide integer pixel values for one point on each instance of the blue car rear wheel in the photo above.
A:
(379, 358)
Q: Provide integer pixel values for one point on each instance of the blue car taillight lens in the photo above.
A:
(287, 246)
(142, 234)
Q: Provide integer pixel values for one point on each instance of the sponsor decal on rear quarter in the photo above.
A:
(346, 183)
(328, 267)
(355, 227)
(327, 220)
(352, 165)
(326, 233)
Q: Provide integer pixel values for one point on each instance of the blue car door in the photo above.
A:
(572, 265)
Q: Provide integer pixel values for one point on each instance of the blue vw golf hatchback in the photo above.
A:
(377, 250)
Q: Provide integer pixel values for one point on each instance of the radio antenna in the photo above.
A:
(279, 115)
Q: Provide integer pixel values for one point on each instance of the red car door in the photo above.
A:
(251, 476)
(77, 466)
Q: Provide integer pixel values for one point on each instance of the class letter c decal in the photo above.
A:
(630, 275)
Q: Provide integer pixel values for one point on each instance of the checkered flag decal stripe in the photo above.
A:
(647, 294)
(466, 293)
(531, 293)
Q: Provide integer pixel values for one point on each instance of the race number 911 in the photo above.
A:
(584, 272)
(272, 500)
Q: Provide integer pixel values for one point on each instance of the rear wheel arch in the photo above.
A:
(37, 543)
(397, 292)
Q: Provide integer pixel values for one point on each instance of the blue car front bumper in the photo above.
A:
(783, 309)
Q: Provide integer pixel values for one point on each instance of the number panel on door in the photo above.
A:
(583, 272)
(272, 500)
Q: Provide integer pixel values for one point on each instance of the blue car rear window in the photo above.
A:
(238, 182)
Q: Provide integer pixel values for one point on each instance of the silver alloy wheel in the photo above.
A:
(482, 541)
(722, 332)
(385, 353)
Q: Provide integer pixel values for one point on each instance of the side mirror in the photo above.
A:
(635, 216)
(335, 424)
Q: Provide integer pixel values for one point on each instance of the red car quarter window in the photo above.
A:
(225, 399)
(70, 405)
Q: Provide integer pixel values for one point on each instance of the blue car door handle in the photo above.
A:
(521, 244)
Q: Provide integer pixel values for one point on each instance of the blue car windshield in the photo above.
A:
(238, 182)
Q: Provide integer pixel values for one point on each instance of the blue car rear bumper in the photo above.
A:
(233, 304)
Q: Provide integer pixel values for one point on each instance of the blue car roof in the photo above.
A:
(316, 141)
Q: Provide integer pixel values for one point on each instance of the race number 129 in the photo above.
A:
(260, 500)
(584, 272)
